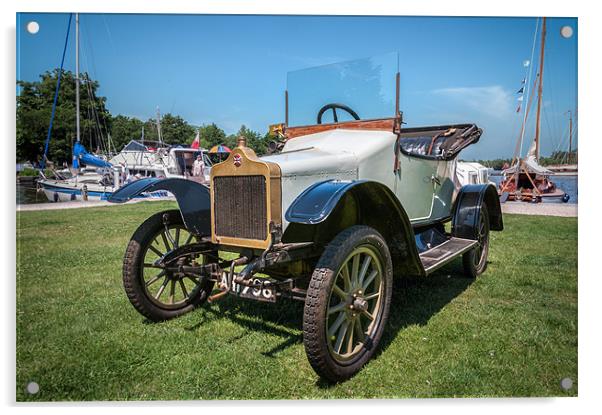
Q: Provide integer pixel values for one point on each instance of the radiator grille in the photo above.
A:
(240, 207)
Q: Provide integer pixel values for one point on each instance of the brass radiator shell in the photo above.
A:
(235, 184)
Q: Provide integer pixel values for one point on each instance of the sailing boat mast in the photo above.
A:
(570, 137)
(527, 93)
(159, 126)
(77, 76)
(540, 88)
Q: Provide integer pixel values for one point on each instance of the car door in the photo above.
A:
(415, 186)
(444, 188)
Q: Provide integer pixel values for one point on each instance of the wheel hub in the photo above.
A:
(178, 275)
(360, 304)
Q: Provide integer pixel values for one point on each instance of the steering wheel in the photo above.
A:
(334, 107)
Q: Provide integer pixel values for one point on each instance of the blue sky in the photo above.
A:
(231, 70)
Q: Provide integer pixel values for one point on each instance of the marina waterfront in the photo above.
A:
(27, 193)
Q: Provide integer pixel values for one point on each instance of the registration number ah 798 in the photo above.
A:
(267, 292)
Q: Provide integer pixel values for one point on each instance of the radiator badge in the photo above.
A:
(237, 160)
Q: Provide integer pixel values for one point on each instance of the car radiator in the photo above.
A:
(240, 207)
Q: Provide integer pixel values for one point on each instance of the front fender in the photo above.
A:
(193, 199)
(316, 202)
(316, 212)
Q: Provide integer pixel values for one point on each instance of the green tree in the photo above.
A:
(175, 130)
(254, 140)
(124, 129)
(34, 107)
(559, 157)
(150, 130)
(211, 135)
(496, 164)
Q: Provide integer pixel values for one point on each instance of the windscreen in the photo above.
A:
(367, 86)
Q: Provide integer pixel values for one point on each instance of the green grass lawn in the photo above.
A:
(512, 332)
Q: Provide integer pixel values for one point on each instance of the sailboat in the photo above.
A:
(96, 177)
(526, 179)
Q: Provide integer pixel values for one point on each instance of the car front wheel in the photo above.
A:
(347, 303)
(158, 293)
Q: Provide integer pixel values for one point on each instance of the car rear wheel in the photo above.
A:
(475, 260)
(347, 303)
(157, 293)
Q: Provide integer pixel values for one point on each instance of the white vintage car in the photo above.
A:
(338, 210)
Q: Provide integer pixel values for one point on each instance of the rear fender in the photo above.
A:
(193, 199)
(467, 206)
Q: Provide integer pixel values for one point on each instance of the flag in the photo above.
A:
(196, 143)
(521, 90)
(518, 109)
(523, 81)
(520, 99)
(526, 63)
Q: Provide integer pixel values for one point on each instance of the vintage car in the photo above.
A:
(331, 217)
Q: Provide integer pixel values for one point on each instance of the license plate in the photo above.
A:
(267, 293)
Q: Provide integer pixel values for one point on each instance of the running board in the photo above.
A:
(444, 253)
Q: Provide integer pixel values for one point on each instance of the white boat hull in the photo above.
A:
(56, 192)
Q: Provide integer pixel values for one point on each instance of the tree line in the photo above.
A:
(97, 124)
(557, 157)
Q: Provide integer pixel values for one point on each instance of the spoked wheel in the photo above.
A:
(354, 303)
(347, 303)
(475, 260)
(156, 292)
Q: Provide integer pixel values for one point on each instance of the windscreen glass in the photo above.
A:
(366, 86)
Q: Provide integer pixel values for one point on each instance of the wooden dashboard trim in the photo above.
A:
(382, 124)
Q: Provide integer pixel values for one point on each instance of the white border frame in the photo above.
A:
(589, 281)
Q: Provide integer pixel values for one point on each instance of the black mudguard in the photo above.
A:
(467, 206)
(316, 202)
(193, 199)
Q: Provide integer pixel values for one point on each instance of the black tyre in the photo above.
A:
(347, 303)
(156, 293)
(475, 260)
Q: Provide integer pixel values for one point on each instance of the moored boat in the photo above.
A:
(134, 162)
(526, 180)
(529, 182)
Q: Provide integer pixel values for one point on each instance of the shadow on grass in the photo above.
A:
(415, 301)
(282, 319)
